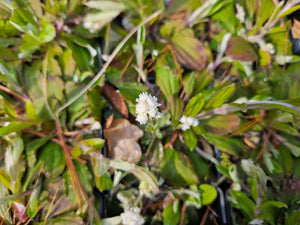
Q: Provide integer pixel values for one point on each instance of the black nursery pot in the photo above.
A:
(221, 205)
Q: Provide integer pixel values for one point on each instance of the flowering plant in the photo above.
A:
(146, 107)
(149, 112)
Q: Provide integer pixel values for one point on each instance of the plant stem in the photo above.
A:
(7, 90)
(150, 146)
(109, 60)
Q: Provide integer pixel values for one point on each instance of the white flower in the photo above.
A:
(146, 107)
(240, 13)
(187, 122)
(132, 217)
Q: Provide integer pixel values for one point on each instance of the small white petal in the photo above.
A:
(187, 122)
(146, 105)
(132, 217)
(240, 13)
(142, 118)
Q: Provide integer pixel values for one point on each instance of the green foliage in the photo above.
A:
(222, 107)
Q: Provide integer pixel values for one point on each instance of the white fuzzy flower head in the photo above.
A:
(132, 217)
(240, 13)
(146, 108)
(187, 122)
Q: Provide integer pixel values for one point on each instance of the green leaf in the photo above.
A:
(171, 214)
(223, 169)
(194, 106)
(10, 110)
(168, 82)
(14, 127)
(229, 145)
(276, 204)
(98, 19)
(220, 97)
(202, 79)
(85, 176)
(295, 150)
(74, 3)
(100, 165)
(208, 194)
(104, 182)
(257, 172)
(200, 165)
(18, 147)
(5, 179)
(293, 218)
(289, 11)
(264, 58)
(93, 143)
(244, 203)
(177, 171)
(286, 128)
(222, 124)
(285, 160)
(270, 210)
(47, 33)
(24, 21)
(140, 172)
(169, 29)
(53, 158)
(36, 6)
(188, 50)
(6, 200)
(32, 147)
(32, 175)
(190, 139)
(175, 106)
(34, 201)
(80, 54)
(271, 164)
(131, 90)
(3, 68)
(96, 103)
(258, 105)
(30, 112)
(264, 11)
(270, 105)
(240, 49)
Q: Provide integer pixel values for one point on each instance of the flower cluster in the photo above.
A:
(187, 122)
(132, 217)
(146, 108)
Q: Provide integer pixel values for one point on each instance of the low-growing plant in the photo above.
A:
(148, 112)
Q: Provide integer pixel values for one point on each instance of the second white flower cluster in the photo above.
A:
(147, 108)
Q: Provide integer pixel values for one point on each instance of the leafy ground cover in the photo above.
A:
(148, 112)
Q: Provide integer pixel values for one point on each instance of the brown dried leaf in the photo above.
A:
(296, 29)
(115, 99)
(109, 121)
(122, 139)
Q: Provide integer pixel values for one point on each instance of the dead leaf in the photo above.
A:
(115, 99)
(122, 137)
(109, 121)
